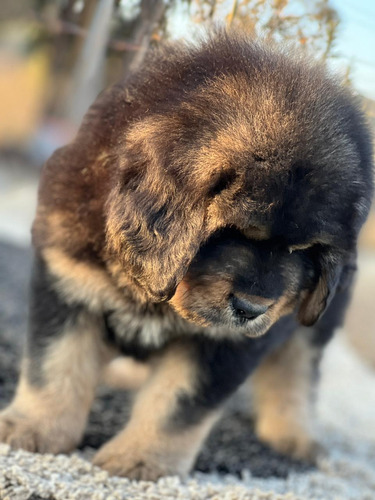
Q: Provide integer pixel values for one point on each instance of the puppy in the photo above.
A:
(204, 219)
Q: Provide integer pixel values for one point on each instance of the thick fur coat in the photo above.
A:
(204, 220)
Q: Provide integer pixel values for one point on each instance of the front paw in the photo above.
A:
(16, 431)
(122, 458)
(42, 435)
(306, 449)
(295, 442)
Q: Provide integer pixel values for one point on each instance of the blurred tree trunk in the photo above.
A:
(151, 15)
(80, 38)
(88, 78)
(85, 20)
(66, 48)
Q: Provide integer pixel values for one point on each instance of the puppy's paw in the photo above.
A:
(42, 435)
(292, 441)
(134, 467)
(306, 449)
(127, 459)
(17, 432)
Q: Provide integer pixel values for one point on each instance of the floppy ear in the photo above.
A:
(154, 225)
(317, 300)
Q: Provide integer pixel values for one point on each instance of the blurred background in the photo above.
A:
(56, 56)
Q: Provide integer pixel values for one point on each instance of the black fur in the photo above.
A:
(48, 314)
(223, 366)
(224, 171)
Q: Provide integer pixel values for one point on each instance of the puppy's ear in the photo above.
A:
(318, 299)
(154, 221)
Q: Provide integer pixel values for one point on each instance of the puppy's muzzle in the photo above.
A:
(247, 310)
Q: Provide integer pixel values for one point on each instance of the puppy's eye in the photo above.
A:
(222, 182)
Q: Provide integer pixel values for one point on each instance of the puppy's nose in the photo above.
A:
(246, 309)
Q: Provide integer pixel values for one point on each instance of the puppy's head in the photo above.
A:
(243, 285)
(237, 135)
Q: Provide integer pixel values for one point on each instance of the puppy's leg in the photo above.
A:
(175, 410)
(150, 447)
(282, 390)
(283, 385)
(59, 373)
(125, 373)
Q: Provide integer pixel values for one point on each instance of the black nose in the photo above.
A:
(247, 310)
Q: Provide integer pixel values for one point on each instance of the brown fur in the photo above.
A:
(281, 389)
(148, 448)
(209, 205)
(125, 373)
(52, 418)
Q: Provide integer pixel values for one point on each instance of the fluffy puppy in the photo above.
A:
(203, 219)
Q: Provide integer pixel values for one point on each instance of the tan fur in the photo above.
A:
(148, 448)
(185, 290)
(189, 296)
(124, 281)
(51, 418)
(282, 392)
(125, 373)
(80, 281)
(168, 169)
(282, 307)
(256, 233)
